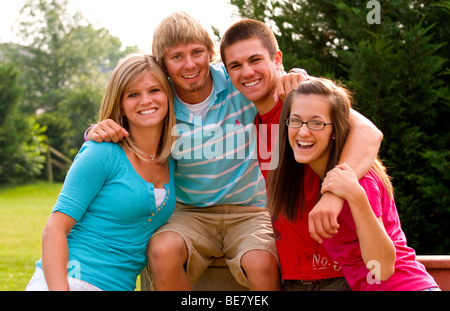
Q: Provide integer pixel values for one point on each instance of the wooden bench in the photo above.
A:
(439, 267)
(217, 276)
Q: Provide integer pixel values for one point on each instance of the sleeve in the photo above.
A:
(85, 179)
(373, 192)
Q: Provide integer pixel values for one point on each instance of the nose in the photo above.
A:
(189, 63)
(303, 130)
(300, 132)
(146, 99)
(247, 71)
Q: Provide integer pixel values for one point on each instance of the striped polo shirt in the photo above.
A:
(217, 162)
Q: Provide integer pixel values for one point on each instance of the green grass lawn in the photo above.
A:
(23, 213)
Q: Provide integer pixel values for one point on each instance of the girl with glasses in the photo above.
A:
(369, 245)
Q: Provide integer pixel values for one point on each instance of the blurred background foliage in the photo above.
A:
(51, 88)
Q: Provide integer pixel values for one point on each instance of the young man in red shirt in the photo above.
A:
(251, 55)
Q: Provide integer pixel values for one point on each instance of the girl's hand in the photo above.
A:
(341, 181)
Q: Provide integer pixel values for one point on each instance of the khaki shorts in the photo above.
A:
(223, 230)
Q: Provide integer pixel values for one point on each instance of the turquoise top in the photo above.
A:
(116, 215)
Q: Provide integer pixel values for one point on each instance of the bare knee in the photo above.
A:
(260, 262)
(167, 247)
(167, 254)
(262, 271)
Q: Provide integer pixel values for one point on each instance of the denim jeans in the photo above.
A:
(333, 284)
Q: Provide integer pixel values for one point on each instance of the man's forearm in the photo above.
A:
(362, 145)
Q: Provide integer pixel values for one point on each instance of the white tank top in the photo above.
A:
(160, 194)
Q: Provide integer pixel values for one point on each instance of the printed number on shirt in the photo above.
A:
(320, 263)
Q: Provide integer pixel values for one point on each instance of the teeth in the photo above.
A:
(252, 83)
(150, 111)
(304, 144)
(191, 77)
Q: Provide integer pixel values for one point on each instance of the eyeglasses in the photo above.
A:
(312, 125)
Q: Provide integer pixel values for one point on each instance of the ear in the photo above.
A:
(278, 60)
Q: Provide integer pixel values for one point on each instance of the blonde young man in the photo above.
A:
(220, 190)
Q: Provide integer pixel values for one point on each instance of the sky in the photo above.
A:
(133, 21)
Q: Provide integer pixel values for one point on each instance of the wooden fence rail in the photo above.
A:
(65, 165)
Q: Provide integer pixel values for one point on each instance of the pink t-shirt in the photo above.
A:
(409, 275)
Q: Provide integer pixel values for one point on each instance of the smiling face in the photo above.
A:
(252, 71)
(188, 68)
(309, 146)
(145, 104)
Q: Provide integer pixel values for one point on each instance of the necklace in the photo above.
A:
(152, 157)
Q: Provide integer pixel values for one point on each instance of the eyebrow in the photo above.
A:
(151, 87)
(234, 62)
(312, 117)
(199, 47)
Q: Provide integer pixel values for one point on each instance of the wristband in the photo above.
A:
(87, 131)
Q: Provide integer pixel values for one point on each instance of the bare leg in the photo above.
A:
(167, 256)
(262, 271)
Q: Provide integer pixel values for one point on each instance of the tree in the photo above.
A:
(10, 92)
(62, 50)
(21, 141)
(395, 74)
(397, 68)
(64, 67)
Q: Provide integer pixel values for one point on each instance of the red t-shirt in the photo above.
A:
(267, 130)
(301, 257)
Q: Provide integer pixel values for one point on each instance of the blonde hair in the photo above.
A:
(127, 72)
(179, 28)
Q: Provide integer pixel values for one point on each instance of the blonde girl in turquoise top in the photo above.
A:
(114, 196)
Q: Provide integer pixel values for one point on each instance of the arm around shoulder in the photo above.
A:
(362, 145)
(106, 131)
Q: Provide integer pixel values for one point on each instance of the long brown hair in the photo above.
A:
(285, 183)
